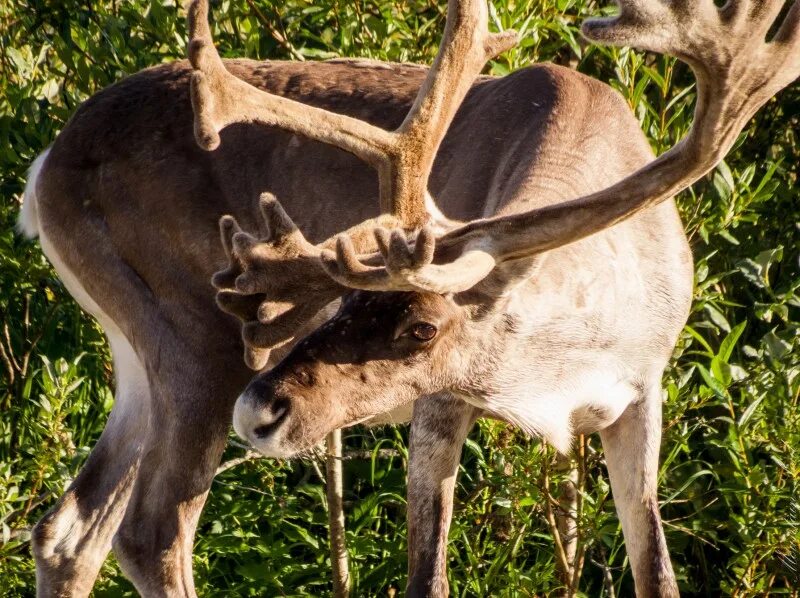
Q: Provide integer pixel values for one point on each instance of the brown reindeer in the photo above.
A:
(519, 314)
(516, 310)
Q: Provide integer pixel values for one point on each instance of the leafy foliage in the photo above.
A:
(730, 478)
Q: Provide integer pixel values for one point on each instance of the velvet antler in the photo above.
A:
(737, 71)
(274, 285)
(402, 158)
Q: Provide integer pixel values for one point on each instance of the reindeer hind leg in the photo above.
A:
(190, 419)
(73, 539)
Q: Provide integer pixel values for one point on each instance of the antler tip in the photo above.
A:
(228, 225)
(425, 246)
(197, 21)
(279, 222)
(224, 279)
(209, 141)
(599, 29)
(243, 242)
(344, 247)
(256, 358)
(497, 43)
(205, 133)
(382, 239)
(267, 198)
(327, 259)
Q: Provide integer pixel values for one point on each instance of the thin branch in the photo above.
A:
(23, 512)
(561, 556)
(9, 346)
(279, 37)
(35, 341)
(349, 454)
(7, 362)
(238, 444)
(248, 456)
(479, 487)
(580, 554)
(608, 578)
(567, 519)
(384, 453)
(318, 471)
(242, 487)
(686, 530)
(335, 490)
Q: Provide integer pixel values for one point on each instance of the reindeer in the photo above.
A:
(554, 313)
(519, 314)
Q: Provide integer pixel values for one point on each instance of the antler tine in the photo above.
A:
(400, 268)
(279, 224)
(638, 23)
(736, 71)
(403, 158)
(220, 98)
(345, 267)
(228, 227)
(284, 241)
(260, 283)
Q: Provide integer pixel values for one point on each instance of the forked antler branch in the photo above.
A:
(737, 71)
(404, 264)
(403, 158)
(275, 285)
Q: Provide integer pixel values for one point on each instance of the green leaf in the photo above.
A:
(714, 384)
(728, 344)
(776, 347)
(748, 413)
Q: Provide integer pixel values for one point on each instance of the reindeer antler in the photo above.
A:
(274, 285)
(737, 71)
(406, 264)
(402, 158)
(258, 286)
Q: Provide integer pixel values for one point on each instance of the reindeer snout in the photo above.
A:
(258, 417)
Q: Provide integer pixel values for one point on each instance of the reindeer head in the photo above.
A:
(380, 351)
(427, 307)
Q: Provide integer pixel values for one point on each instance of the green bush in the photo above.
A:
(730, 475)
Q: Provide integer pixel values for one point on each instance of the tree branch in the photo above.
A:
(338, 544)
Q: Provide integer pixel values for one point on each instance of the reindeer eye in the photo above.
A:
(304, 377)
(423, 331)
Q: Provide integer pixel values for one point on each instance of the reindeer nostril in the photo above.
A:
(273, 418)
